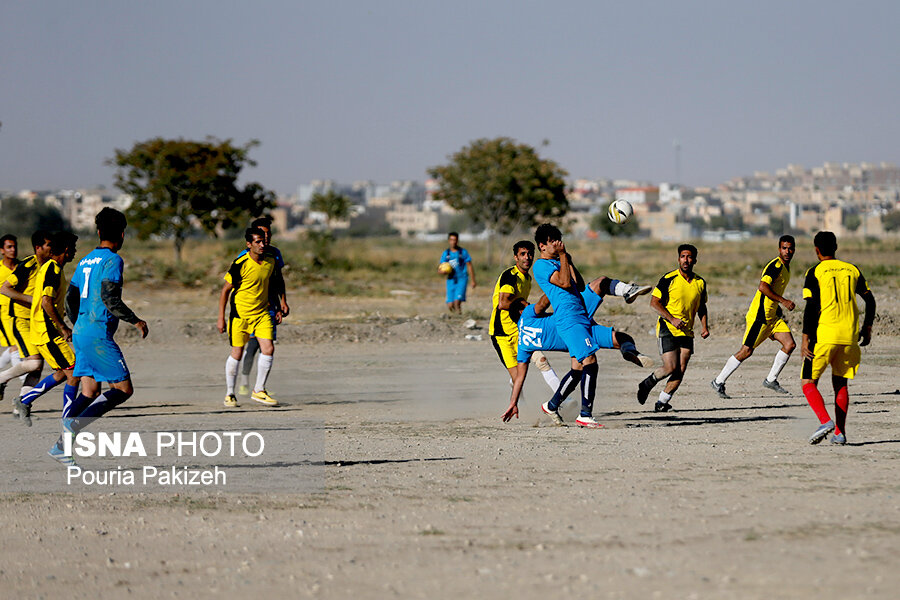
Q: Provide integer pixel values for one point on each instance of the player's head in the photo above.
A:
(826, 244)
(786, 248)
(62, 246)
(523, 252)
(687, 257)
(264, 223)
(256, 240)
(111, 225)
(544, 234)
(453, 239)
(9, 246)
(40, 241)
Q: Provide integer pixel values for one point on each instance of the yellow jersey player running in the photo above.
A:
(49, 332)
(510, 298)
(248, 284)
(679, 297)
(831, 335)
(765, 322)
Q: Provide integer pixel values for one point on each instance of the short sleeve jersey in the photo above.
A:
(22, 280)
(49, 283)
(458, 259)
(834, 284)
(762, 308)
(250, 280)
(94, 319)
(568, 305)
(511, 281)
(274, 305)
(4, 300)
(682, 298)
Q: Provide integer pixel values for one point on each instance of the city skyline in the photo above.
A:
(360, 91)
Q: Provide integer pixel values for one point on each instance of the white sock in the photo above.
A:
(664, 397)
(621, 288)
(231, 371)
(5, 358)
(25, 389)
(781, 359)
(263, 366)
(551, 378)
(245, 379)
(730, 367)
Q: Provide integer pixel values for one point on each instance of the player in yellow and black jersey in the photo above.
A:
(49, 332)
(765, 320)
(510, 298)
(248, 284)
(831, 333)
(9, 255)
(678, 298)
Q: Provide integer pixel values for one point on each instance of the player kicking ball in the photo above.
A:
(248, 285)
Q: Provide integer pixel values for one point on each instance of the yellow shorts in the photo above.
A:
(6, 338)
(58, 354)
(759, 331)
(21, 332)
(844, 361)
(240, 330)
(507, 347)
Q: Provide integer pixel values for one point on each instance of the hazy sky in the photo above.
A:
(384, 89)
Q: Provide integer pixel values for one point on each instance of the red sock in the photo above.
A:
(841, 404)
(816, 402)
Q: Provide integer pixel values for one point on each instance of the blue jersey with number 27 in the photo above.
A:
(94, 320)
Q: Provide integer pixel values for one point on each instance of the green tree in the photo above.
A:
(891, 220)
(852, 221)
(335, 206)
(180, 187)
(601, 222)
(22, 218)
(503, 185)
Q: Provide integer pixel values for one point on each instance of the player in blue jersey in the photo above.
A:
(538, 331)
(281, 305)
(94, 304)
(458, 279)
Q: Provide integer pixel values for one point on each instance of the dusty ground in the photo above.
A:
(419, 490)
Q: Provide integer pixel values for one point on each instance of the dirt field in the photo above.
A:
(419, 490)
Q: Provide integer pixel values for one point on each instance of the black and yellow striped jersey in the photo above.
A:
(682, 298)
(832, 285)
(762, 308)
(250, 296)
(511, 281)
(49, 282)
(22, 280)
(4, 300)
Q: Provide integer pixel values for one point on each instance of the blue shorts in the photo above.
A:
(100, 359)
(456, 289)
(603, 336)
(577, 337)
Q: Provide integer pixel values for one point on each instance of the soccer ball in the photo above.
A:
(619, 211)
(445, 268)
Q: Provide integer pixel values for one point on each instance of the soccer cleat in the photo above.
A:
(230, 401)
(839, 439)
(24, 410)
(587, 422)
(774, 386)
(263, 398)
(553, 414)
(243, 390)
(720, 389)
(641, 360)
(822, 432)
(662, 407)
(634, 291)
(643, 392)
(56, 453)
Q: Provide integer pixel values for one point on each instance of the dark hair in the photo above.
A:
(111, 224)
(251, 231)
(689, 247)
(6, 237)
(262, 222)
(523, 244)
(545, 233)
(786, 238)
(826, 242)
(453, 234)
(39, 237)
(62, 241)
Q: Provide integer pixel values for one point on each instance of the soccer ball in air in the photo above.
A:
(619, 211)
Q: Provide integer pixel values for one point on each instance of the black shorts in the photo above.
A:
(668, 342)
